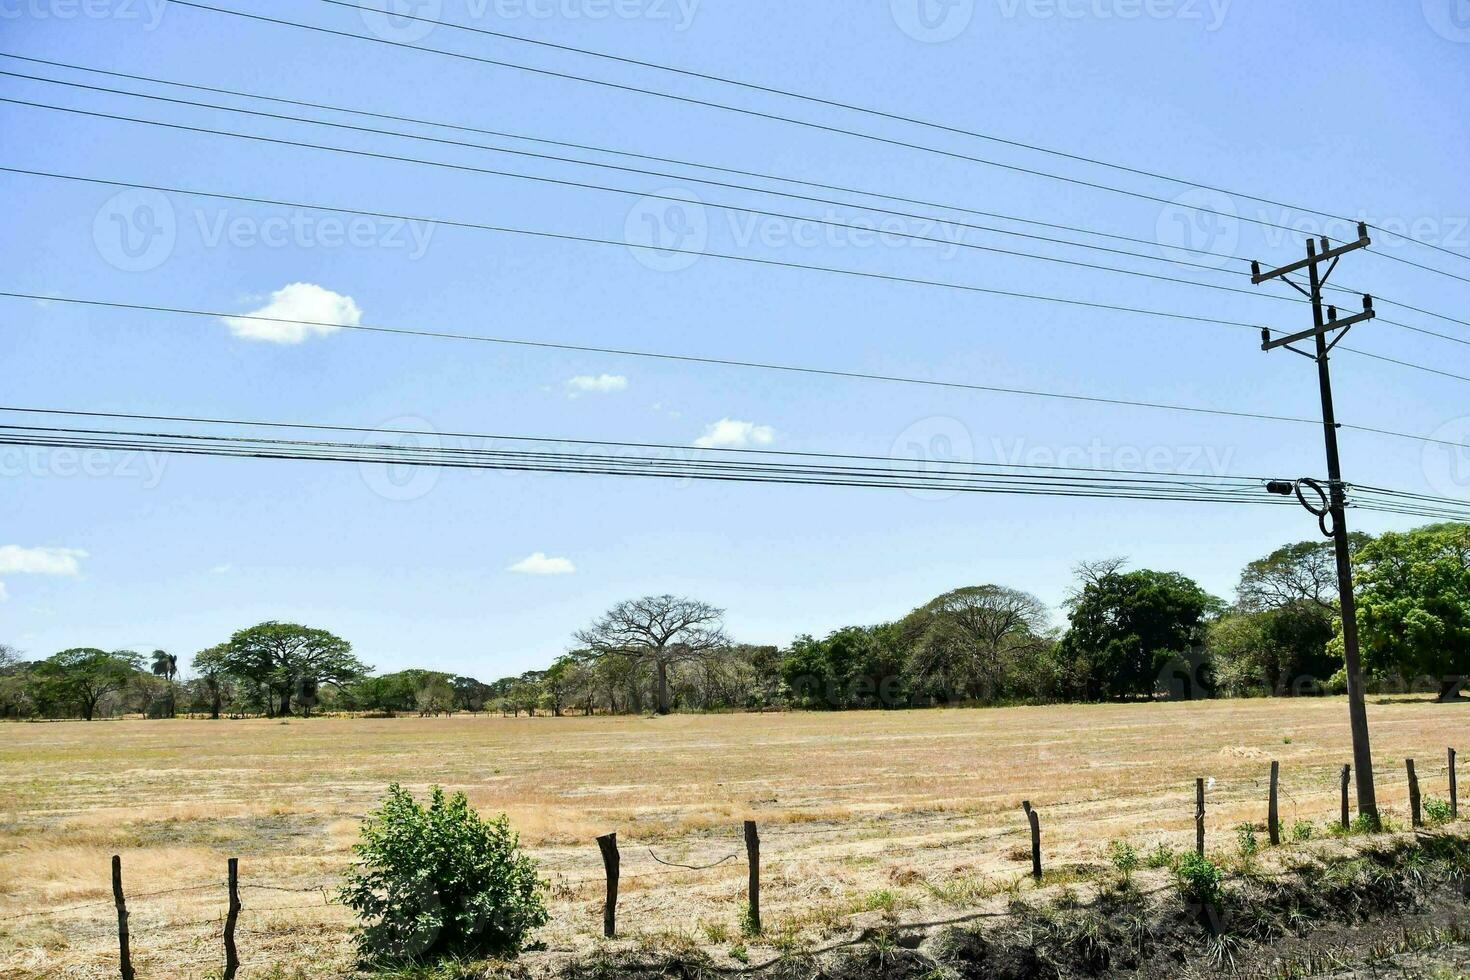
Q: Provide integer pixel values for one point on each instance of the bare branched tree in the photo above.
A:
(661, 631)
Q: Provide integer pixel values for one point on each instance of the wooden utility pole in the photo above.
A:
(1330, 507)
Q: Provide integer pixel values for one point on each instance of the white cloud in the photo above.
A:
(224, 569)
(324, 311)
(602, 384)
(540, 564)
(734, 434)
(15, 560)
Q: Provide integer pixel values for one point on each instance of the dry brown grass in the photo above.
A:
(863, 816)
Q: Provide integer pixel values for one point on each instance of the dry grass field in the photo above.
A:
(862, 815)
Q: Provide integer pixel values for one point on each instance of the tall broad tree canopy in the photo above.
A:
(291, 660)
(661, 630)
(968, 639)
(83, 676)
(1413, 592)
(1127, 626)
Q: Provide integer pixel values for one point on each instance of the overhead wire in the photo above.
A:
(964, 287)
(567, 76)
(938, 219)
(707, 103)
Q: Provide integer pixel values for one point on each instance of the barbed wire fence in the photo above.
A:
(326, 909)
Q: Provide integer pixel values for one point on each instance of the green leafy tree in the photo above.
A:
(470, 695)
(212, 666)
(291, 661)
(439, 881)
(854, 667)
(1127, 626)
(83, 676)
(1413, 591)
(434, 695)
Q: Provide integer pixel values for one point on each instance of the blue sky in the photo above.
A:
(1354, 111)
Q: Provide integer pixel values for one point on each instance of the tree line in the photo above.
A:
(1129, 634)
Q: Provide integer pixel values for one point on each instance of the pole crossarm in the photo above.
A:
(1333, 323)
(1258, 277)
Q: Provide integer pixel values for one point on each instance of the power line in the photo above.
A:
(665, 197)
(1175, 487)
(729, 108)
(635, 193)
(686, 358)
(964, 287)
(610, 466)
(583, 239)
(809, 124)
(583, 185)
(913, 120)
(720, 362)
(710, 451)
(706, 166)
(882, 114)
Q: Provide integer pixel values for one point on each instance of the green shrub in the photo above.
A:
(1436, 810)
(1245, 839)
(1302, 831)
(1199, 879)
(1124, 858)
(435, 882)
(1161, 857)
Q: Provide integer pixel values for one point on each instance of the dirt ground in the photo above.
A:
(909, 815)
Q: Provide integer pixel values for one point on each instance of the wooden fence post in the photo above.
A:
(232, 957)
(1454, 790)
(1035, 822)
(1273, 820)
(125, 959)
(753, 859)
(1415, 818)
(1347, 772)
(1199, 817)
(608, 844)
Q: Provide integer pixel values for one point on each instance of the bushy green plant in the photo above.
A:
(1161, 856)
(1124, 858)
(1302, 831)
(1245, 838)
(1199, 879)
(438, 881)
(1436, 810)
